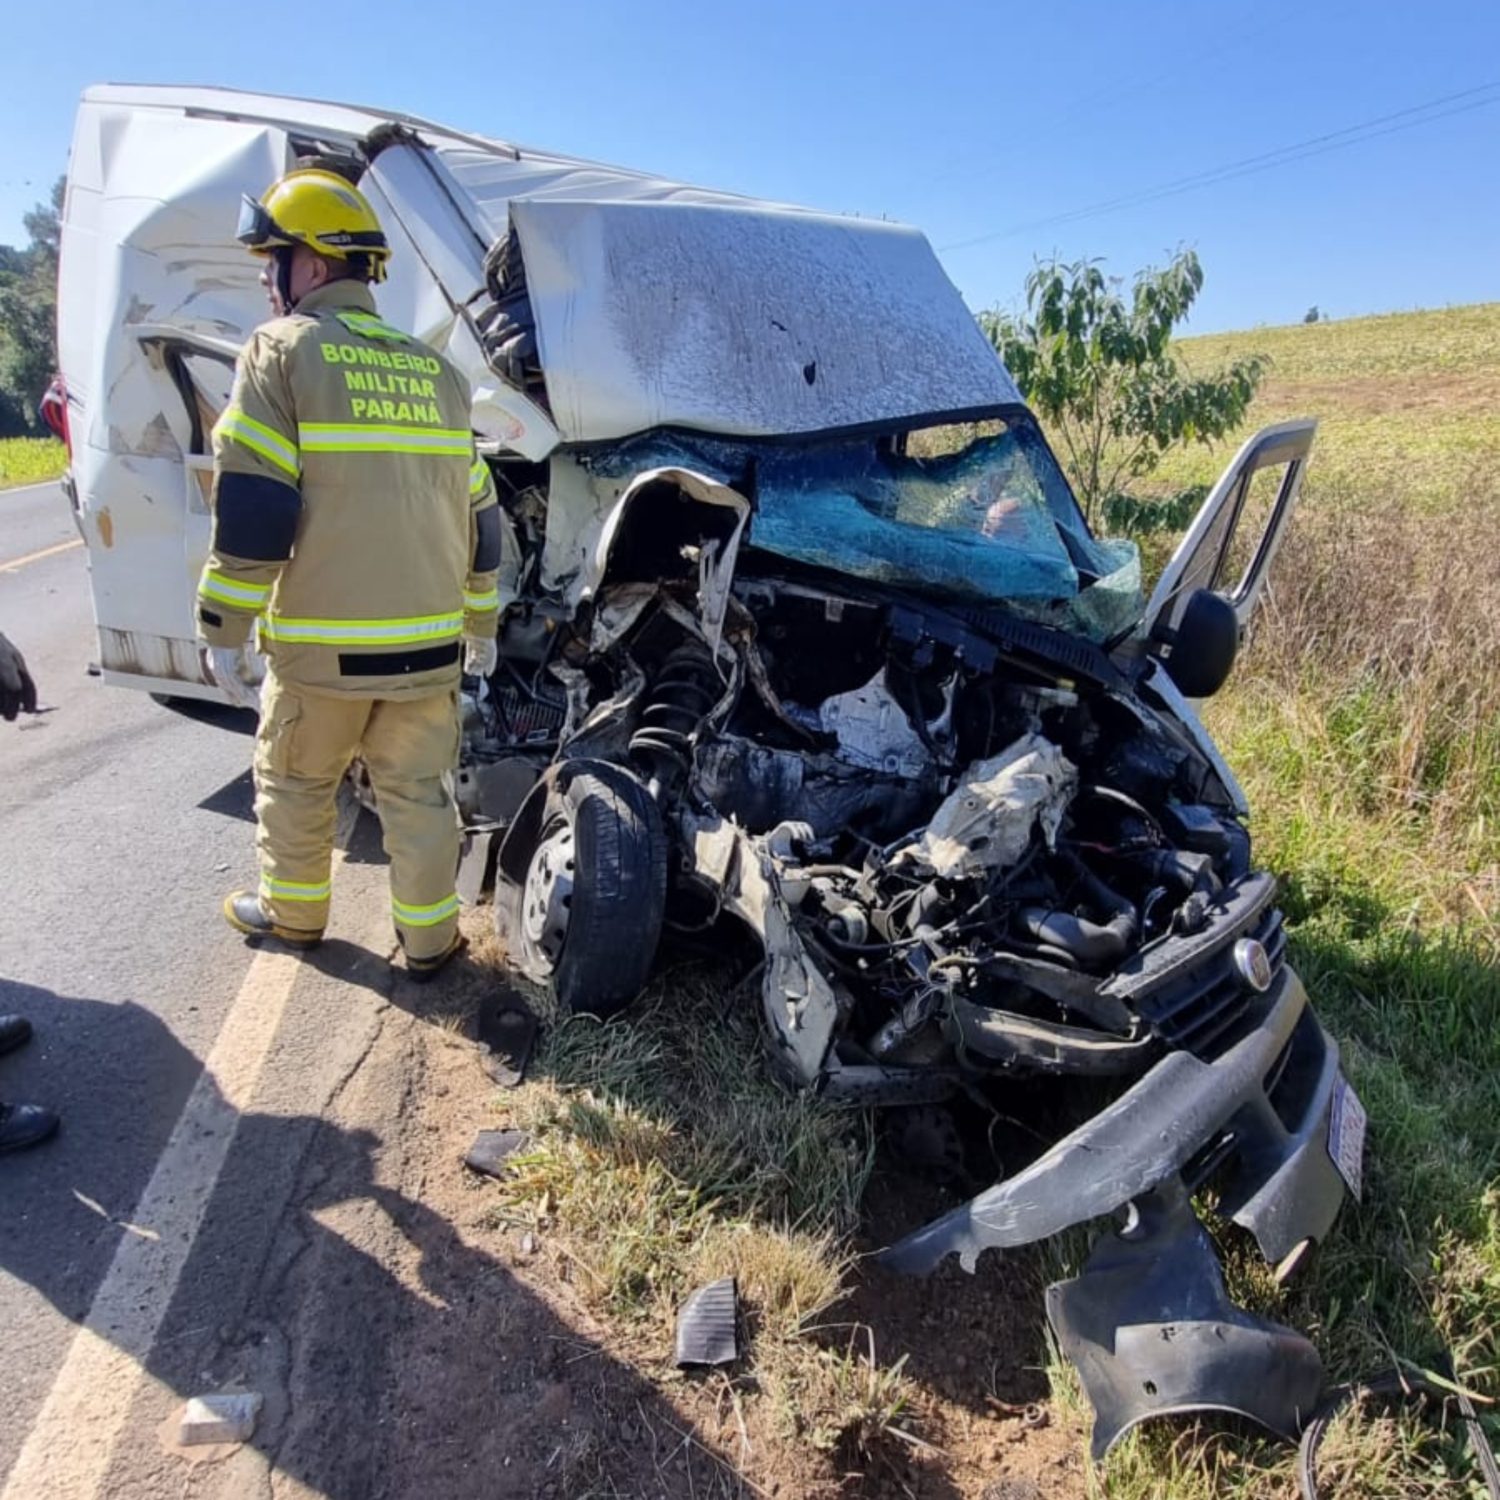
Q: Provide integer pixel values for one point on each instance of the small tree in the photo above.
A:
(1102, 375)
(1312, 315)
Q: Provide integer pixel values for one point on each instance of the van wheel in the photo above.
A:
(585, 918)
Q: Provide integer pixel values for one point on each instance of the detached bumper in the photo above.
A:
(1152, 1333)
(1262, 1107)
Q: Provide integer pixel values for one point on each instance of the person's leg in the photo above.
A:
(411, 749)
(305, 744)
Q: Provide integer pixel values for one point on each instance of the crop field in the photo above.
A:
(30, 460)
(1364, 721)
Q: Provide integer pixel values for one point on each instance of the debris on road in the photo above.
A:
(492, 1150)
(226, 1417)
(708, 1326)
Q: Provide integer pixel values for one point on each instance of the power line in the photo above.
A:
(1286, 157)
(1335, 140)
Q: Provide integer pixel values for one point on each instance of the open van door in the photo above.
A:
(201, 370)
(1214, 582)
(1232, 542)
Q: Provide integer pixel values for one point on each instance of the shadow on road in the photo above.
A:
(235, 799)
(201, 711)
(396, 1358)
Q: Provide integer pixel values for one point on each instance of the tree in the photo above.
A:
(1102, 375)
(1312, 315)
(28, 316)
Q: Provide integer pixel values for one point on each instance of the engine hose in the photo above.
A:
(1183, 871)
(1089, 944)
(1398, 1385)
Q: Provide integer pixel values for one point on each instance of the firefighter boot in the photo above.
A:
(422, 969)
(15, 1031)
(244, 913)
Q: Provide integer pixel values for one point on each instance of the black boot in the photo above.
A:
(423, 969)
(15, 1031)
(244, 913)
(23, 1125)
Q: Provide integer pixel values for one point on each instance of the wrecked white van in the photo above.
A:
(812, 639)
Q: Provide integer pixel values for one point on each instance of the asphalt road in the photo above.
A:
(108, 936)
(247, 1191)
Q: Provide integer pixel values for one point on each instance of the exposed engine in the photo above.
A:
(983, 841)
(976, 850)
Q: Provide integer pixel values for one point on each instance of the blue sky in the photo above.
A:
(975, 122)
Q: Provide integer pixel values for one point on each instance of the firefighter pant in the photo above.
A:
(410, 747)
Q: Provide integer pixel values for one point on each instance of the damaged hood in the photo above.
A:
(744, 320)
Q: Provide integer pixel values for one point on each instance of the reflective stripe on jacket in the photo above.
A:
(352, 517)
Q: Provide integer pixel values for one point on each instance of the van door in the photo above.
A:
(200, 370)
(1233, 540)
(148, 252)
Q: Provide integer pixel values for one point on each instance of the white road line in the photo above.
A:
(67, 1453)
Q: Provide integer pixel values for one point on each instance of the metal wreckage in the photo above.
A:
(811, 636)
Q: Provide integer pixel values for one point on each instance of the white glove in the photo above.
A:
(481, 655)
(234, 671)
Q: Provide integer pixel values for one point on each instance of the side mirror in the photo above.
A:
(1205, 646)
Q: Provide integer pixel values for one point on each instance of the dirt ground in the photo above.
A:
(523, 1383)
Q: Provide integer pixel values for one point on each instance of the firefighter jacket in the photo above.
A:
(353, 519)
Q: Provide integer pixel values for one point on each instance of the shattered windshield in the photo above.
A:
(993, 524)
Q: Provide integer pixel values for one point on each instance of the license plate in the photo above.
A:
(1347, 1122)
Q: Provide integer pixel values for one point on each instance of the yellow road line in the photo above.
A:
(11, 563)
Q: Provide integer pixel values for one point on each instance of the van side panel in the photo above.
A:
(147, 244)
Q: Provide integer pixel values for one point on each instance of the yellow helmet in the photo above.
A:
(319, 209)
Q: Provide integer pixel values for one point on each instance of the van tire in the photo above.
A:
(586, 917)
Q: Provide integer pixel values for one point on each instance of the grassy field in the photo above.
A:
(1364, 720)
(1365, 724)
(30, 460)
(1408, 403)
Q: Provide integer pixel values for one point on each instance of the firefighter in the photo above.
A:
(357, 530)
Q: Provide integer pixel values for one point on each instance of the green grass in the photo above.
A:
(30, 461)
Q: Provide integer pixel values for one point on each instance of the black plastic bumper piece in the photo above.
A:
(1152, 1333)
(1262, 1107)
(708, 1326)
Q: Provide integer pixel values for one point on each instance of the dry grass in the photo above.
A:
(1370, 695)
(663, 1156)
(1407, 403)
